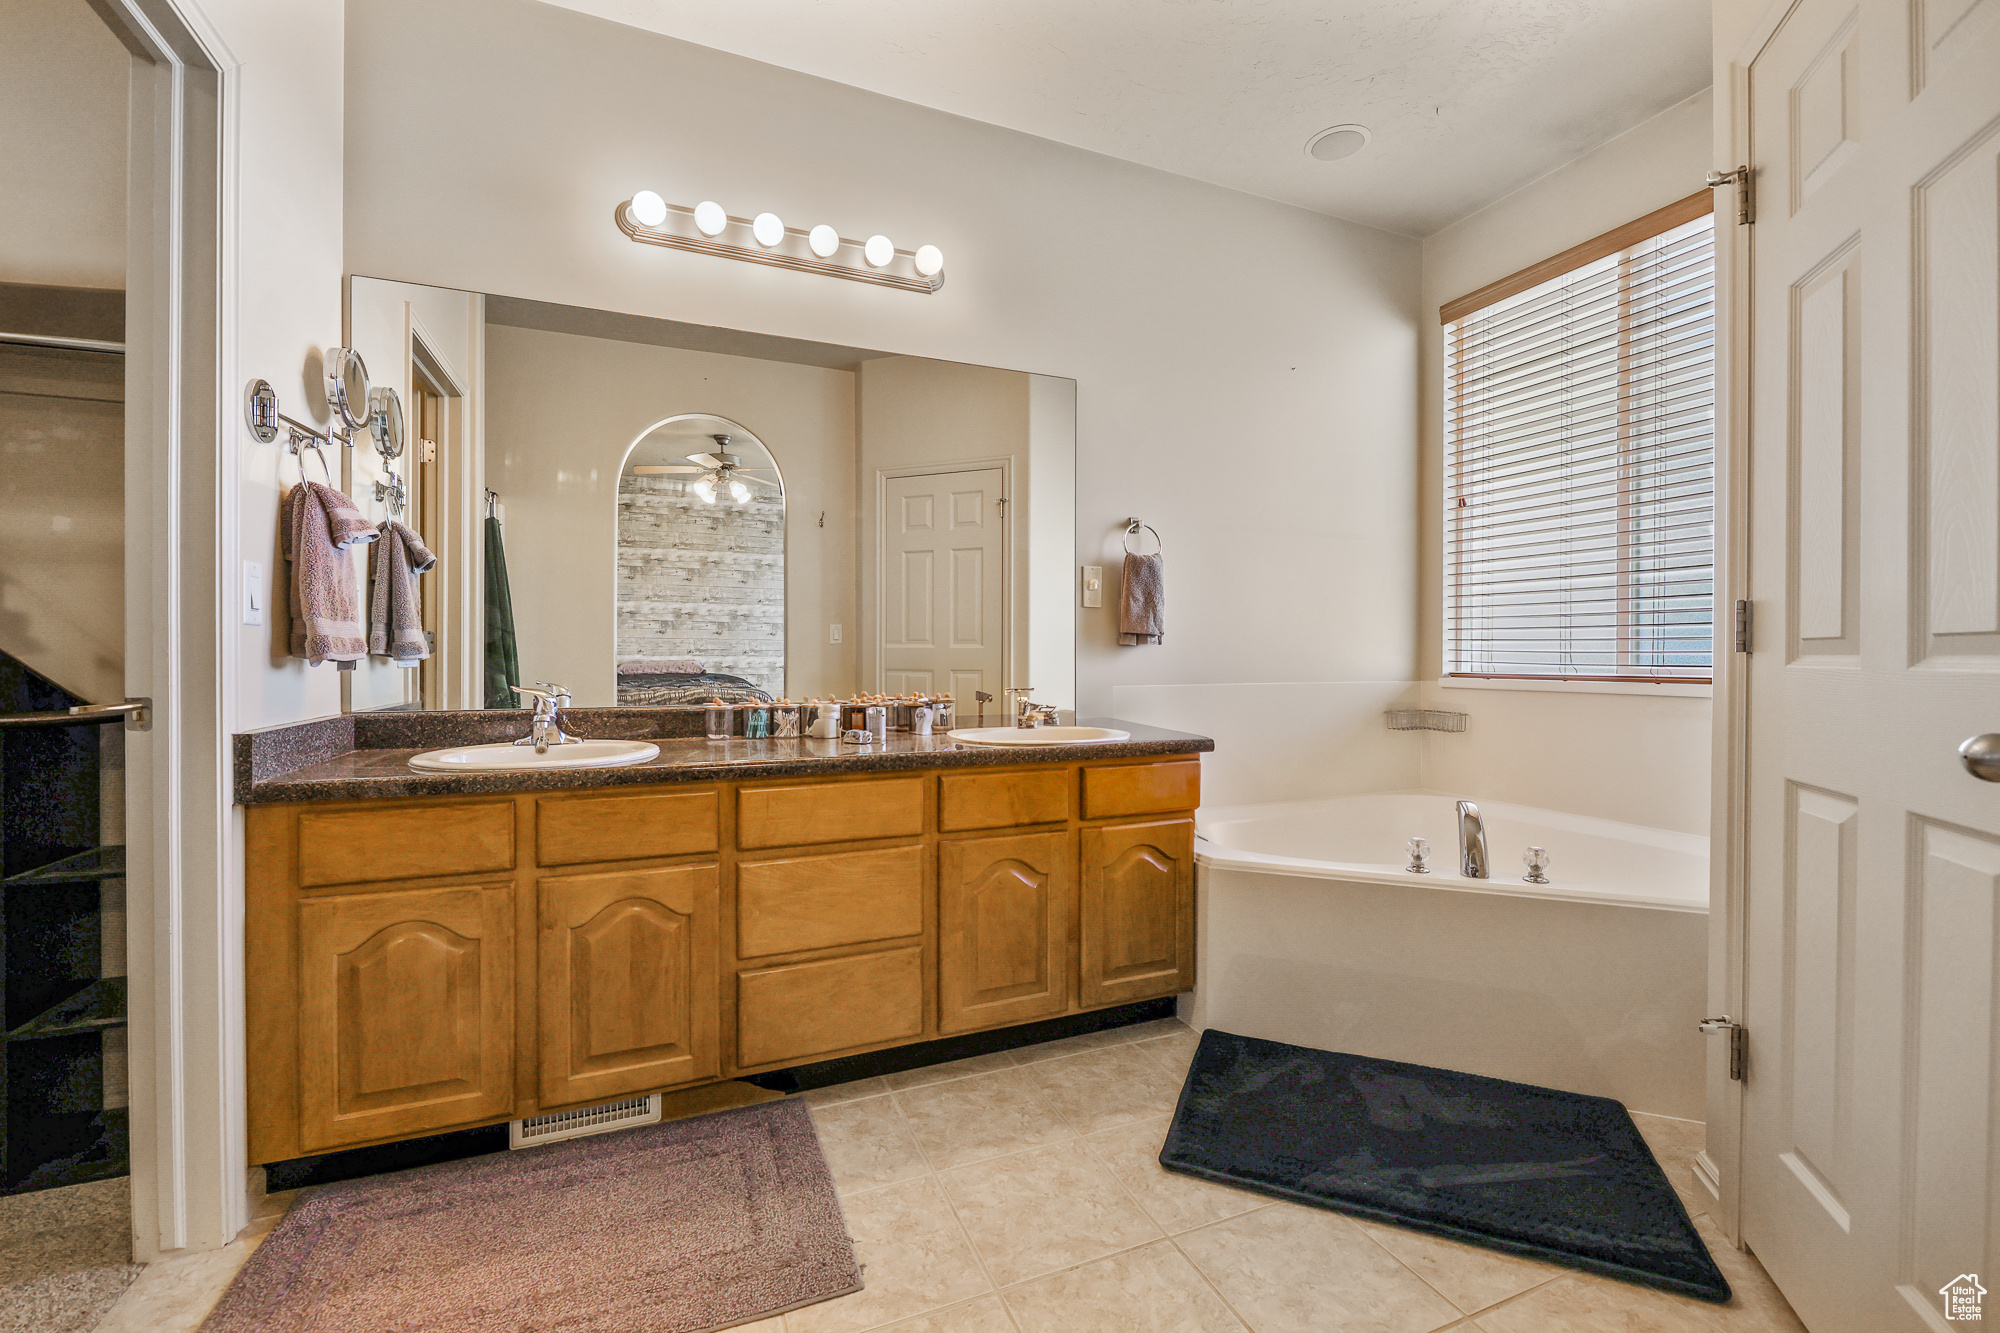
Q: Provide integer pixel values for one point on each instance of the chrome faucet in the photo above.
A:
(1028, 714)
(1472, 861)
(545, 728)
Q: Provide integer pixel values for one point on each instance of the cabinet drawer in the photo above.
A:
(352, 846)
(820, 902)
(1141, 789)
(1002, 800)
(806, 1009)
(578, 830)
(829, 812)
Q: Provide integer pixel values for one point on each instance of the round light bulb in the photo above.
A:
(824, 240)
(768, 228)
(647, 209)
(704, 491)
(878, 252)
(709, 218)
(738, 492)
(930, 260)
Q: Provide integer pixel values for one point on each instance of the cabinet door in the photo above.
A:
(1138, 911)
(1004, 908)
(627, 973)
(406, 1017)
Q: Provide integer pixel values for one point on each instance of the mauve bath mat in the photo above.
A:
(677, 1228)
(1551, 1175)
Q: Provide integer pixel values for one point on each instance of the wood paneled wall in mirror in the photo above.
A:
(654, 513)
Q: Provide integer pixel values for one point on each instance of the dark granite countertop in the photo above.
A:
(344, 758)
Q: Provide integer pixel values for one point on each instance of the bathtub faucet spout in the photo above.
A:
(1472, 861)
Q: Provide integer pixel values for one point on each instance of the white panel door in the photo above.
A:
(1868, 1180)
(944, 584)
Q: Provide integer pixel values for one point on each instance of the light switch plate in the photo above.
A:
(833, 634)
(1093, 585)
(253, 593)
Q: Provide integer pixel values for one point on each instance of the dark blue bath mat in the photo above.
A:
(1546, 1174)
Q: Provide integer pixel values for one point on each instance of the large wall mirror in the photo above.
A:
(657, 513)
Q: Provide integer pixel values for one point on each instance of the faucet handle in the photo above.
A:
(533, 694)
(560, 693)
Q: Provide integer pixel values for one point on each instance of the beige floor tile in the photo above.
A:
(945, 1073)
(175, 1295)
(914, 1260)
(1584, 1304)
(1067, 1046)
(1174, 1053)
(1103, 1089)
(845, 1092)
(1759, 1299)
(971, 1119)
(867, 1144)
(1034, 1212)
(1159, 1027)
(985, 1315)
(1176, 1202)
(1287, 1269)
(1674, 1144)
(1468, 1276)
(1149, 1290)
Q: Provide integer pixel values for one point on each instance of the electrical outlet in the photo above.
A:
(1093, 585)
(253, 593)
(833, 634)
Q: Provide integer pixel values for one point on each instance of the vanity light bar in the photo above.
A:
(901, 269)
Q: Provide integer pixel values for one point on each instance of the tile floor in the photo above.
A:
(1021, 1193)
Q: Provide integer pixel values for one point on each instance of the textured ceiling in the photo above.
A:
(1467, 100)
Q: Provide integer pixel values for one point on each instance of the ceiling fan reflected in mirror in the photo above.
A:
(721, 473)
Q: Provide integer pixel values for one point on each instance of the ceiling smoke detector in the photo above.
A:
(1330, 145)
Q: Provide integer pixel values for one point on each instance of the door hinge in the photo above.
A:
(1746, 205)
(1746, 622)
(1739, 1041)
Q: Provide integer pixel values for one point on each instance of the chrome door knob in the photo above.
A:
(1981, 756)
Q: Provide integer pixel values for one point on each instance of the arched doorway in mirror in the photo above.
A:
(701, 566)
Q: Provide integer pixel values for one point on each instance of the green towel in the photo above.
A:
(503, 662)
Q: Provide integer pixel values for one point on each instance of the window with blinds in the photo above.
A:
(1580, 462)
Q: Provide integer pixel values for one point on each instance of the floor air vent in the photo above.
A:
(559, 1125)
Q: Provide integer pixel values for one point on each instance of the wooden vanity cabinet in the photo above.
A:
(422, 965)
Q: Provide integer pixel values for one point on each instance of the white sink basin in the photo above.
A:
(506, 755)
(1039, 735)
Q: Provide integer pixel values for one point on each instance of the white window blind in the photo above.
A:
(1580, 471)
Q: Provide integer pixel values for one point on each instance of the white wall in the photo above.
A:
(913, 412)
(1202, 326)
(1053, 588)
(561, 413)
(62, 152)
(1638, 758)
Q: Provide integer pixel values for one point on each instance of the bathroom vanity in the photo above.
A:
(428, 953)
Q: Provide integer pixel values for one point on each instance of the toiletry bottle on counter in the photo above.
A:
(784, 718)
(920, 719)
(942, 713)
(826, 720)
(756, 722)
(721, 721)
(876, 720)
(854, 714)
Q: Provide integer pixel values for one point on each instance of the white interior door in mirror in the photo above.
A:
(944, 593)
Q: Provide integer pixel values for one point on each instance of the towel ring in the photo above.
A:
(298, 451)
(1132, 529)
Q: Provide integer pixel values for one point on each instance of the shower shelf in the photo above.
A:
(98, 1006)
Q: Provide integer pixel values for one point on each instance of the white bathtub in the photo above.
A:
(1312, 932)
(1364, 838)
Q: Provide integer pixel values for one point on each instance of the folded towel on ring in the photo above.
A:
(1142, 600)
(395, 615)
(319, 527)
